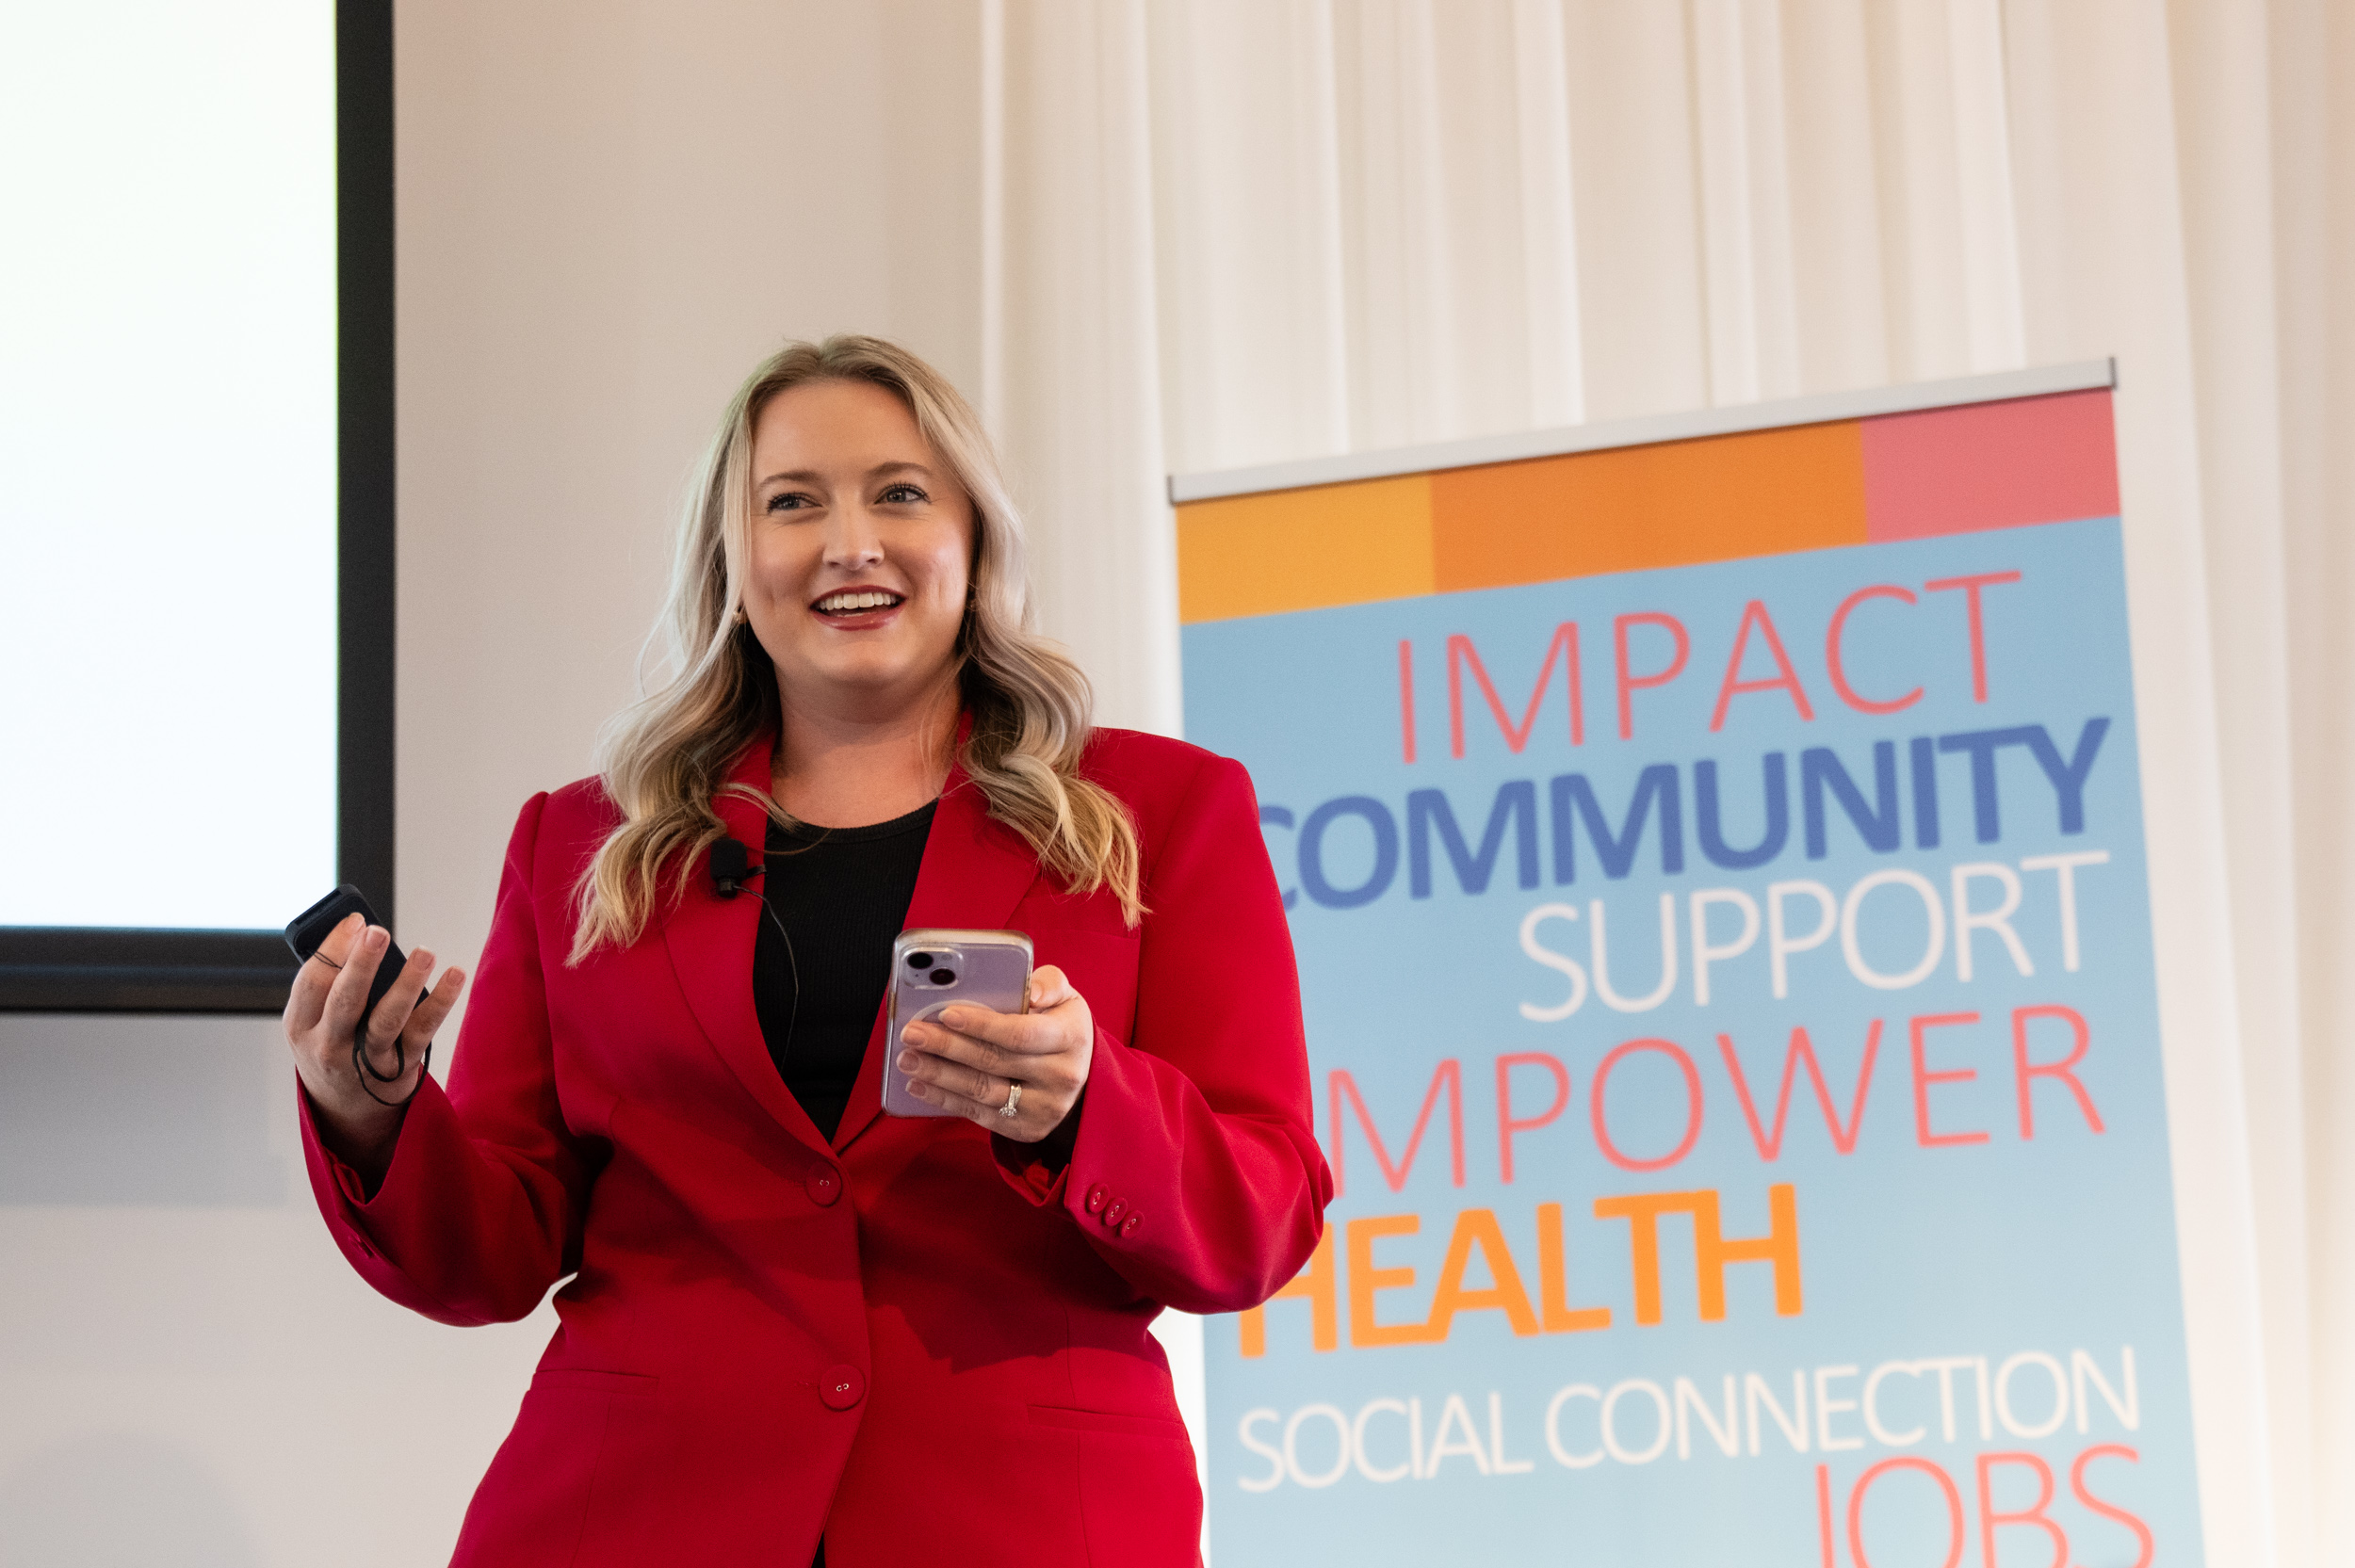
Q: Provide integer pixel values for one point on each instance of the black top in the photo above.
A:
(842, 894)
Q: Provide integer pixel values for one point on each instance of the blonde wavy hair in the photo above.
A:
(664, 759)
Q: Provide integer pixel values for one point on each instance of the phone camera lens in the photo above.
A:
(944, 977)
(920, 960)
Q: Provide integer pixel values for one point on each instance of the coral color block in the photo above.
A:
(1672, 504)
(1304, 549)
(1990, 465)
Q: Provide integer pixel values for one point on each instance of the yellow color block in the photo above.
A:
(1304, 549)
(1672, 504)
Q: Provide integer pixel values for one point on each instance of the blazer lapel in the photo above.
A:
(710, 942)
(973, 874)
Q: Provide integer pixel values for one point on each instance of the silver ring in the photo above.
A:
(1014, 1099)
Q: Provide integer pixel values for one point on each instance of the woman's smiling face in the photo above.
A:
(860, 550)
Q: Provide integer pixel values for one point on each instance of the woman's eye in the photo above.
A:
(903, 496)
(789, 501)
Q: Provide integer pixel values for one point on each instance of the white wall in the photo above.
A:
(189, 1375)
(607, 212)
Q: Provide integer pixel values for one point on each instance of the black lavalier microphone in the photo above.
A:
(731, 868)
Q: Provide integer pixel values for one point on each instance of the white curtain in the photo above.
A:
(1229, 231)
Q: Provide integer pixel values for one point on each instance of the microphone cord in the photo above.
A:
(726, 884)
(793, 963)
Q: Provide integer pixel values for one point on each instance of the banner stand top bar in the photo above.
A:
(1862, 404)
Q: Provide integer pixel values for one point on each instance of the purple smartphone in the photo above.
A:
(930, 969)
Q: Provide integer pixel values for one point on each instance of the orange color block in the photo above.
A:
(1674, 504)
(1304, 549)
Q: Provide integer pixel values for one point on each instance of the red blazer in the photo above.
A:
(915, 1340)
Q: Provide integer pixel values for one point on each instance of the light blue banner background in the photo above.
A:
(2059, 1244)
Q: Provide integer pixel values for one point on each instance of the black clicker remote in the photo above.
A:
(306, 930)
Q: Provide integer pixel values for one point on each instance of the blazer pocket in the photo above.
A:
(1105, 1421)
(579, 1382)
(1102, 968)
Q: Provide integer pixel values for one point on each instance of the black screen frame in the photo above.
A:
(112, 969)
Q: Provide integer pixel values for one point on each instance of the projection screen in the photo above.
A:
(195, 491)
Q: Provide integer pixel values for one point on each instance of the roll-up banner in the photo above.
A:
(1715, 852)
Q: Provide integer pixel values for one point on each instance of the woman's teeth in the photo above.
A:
(838, 604)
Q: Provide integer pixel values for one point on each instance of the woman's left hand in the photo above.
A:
(971, 1064)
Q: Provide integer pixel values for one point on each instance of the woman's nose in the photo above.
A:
(851, 540)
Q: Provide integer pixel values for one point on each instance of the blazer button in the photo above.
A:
(1129, 1226)
(1114, 1210)
(842, 1387)
(1095, 1199)
(823, 1185)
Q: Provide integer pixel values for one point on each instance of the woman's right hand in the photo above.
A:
(330, 990)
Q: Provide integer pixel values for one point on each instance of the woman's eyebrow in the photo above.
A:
(810, 475)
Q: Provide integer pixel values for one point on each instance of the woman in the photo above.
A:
(796, 1326)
